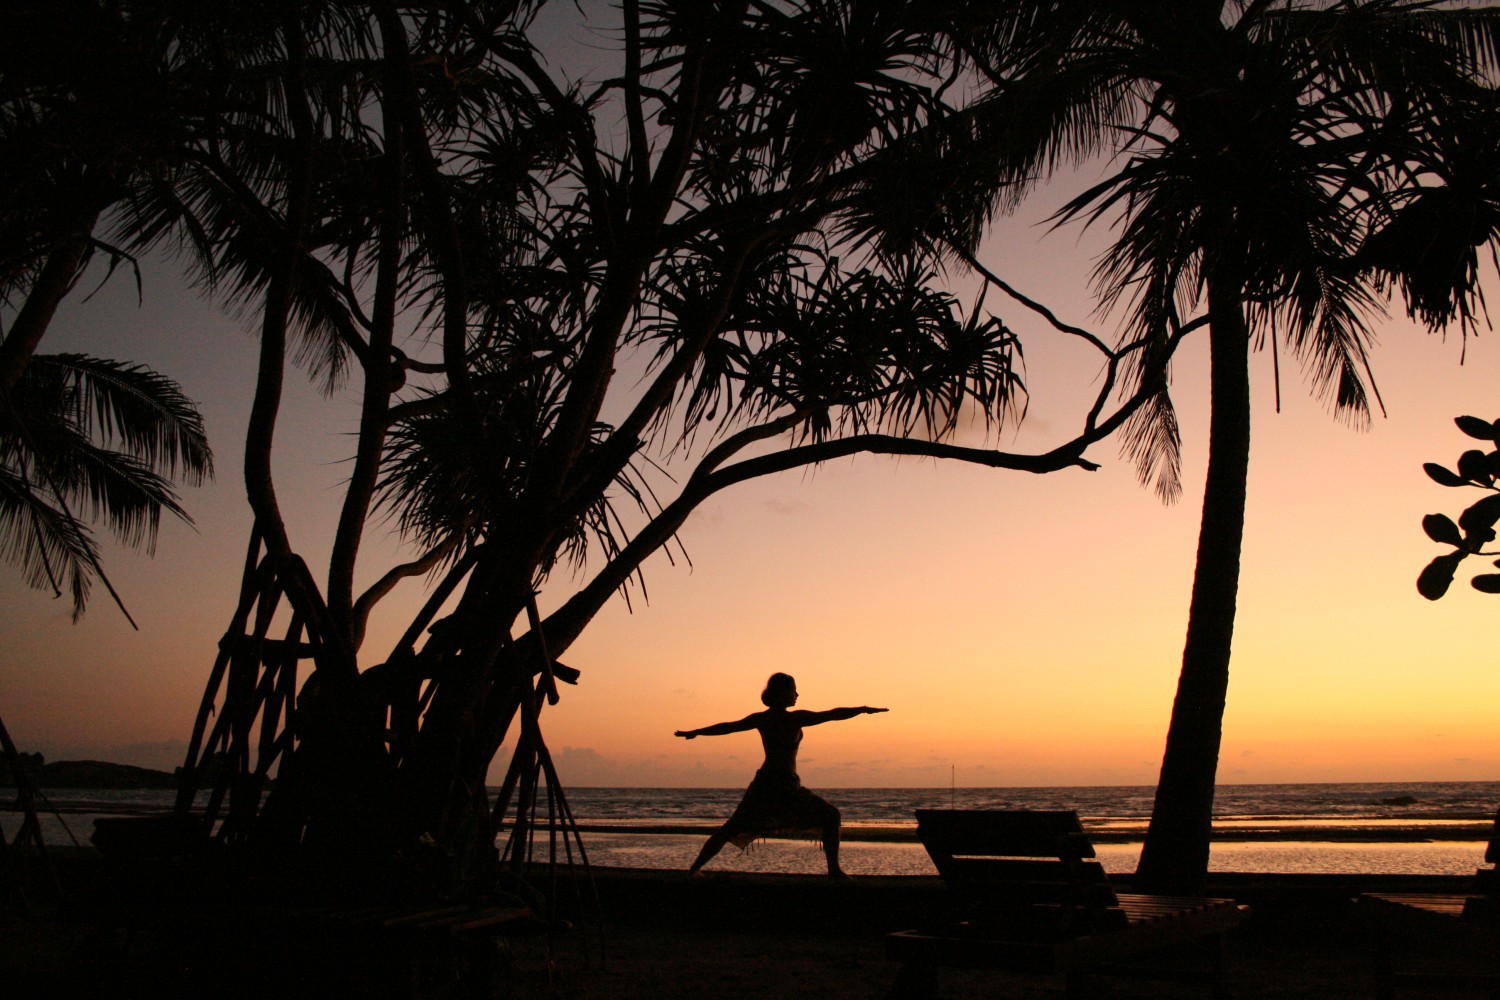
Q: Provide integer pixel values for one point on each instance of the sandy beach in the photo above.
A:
(791, 936)
(638, 934)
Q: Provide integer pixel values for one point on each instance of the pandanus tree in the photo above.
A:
(541, 288)
(1279, 169)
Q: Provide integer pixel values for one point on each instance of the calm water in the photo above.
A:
(1116, 806)
(1422, 827)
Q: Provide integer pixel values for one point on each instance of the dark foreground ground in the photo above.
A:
(638, 935)
(777, 937)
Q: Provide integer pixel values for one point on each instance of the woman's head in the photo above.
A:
(780, 692)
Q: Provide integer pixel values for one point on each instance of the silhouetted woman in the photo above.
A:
(776, 804)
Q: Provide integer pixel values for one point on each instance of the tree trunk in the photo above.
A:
(1174, 858)
(52, 285)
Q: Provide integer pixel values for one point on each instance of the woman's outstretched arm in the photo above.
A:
(835, 714)
(722, 728)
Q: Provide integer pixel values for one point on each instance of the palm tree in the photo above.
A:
(130, 128)
(82, 439)
(1280, 167)
(93, 110)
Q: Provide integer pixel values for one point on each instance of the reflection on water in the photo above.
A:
(1437, 857)
(672, 852)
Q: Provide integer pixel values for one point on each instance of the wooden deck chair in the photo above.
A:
(1437, 928)
(1027, 896)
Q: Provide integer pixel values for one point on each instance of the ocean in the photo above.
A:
(1430, 828)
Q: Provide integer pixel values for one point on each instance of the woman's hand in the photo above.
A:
(686, 734)
(871, 711)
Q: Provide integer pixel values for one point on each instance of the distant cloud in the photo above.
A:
(708, 514)
(586, 767)
(786, 506)
(576, 755)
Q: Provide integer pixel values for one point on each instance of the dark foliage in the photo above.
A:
(1478, 468)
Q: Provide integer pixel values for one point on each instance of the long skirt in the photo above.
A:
(776, 805)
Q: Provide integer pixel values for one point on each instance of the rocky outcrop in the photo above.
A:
(85, 774)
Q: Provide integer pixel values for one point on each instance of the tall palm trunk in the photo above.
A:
(1175, 856)
(56, 279)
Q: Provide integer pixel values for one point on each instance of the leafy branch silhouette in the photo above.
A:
(1475, 527)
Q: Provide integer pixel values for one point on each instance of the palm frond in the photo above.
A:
(129, 406)
(1152, 440)
(50, 547)
(89, 440)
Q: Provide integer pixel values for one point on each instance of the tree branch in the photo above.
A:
(360, 615)
(640, 155)
(1032, 304)
(55, 280)
(437, 214)
(580, 128)
(264, 222)
(625, 439)
(380, 382)
(568, 622)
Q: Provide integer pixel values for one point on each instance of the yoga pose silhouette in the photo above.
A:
(776, 804)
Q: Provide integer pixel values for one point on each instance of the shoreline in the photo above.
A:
(1353, 831)
(86, 860)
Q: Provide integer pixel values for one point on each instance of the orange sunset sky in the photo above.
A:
(1022, 630)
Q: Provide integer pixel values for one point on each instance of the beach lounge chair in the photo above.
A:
(1026, 896)
(1442, 930)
